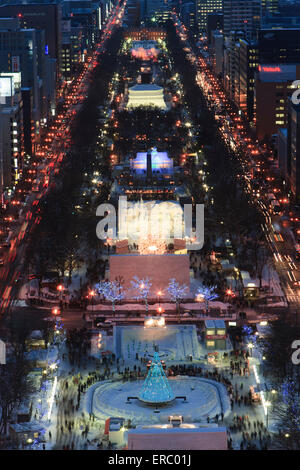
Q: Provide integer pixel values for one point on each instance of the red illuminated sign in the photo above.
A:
(269, 69)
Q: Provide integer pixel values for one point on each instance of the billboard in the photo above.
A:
(15, 61)
(16, 79)
(6, 86)
(2, 352)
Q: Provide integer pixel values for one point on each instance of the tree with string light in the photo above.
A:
(112, 291)
(142, 288)
(207, 294)
(177, 292)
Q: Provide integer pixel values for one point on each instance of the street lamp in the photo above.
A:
(60, 289)
(55, 311)
(159, 294)
(273, 396)
(268, 404)
(92, 294)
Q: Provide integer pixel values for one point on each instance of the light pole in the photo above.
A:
(92, 294)
(159, 294)
(273, 397)
(60, 288)
(267, 414)
(250, 346)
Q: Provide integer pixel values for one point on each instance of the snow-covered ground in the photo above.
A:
(204, 398)
(176, 342)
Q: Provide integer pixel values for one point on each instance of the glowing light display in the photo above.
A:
(152, 246)
(160, 162)
(156, 388)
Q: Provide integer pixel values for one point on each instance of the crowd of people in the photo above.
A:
(73, 426)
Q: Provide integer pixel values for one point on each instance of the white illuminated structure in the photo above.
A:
(151, 246)
(152, 224)
(262, 395)
(51, 400)
(146, 95)
(154, 322)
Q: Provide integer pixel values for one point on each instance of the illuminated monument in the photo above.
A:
(156, 389)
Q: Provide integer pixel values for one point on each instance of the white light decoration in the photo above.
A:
(154, 322)
(151, 246)
(51, 399)
(256, 374)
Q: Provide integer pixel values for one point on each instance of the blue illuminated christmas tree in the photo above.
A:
(156, 389)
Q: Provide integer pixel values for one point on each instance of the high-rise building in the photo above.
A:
(28, 121)
(133, 13)
(279, 46)
(19, 53)
(269, 6)
(214, 23)
(242, 16)
(272, 92)
(203, 8)
(11, 130)
(247, 68)
(71, 49)
(231, 63)
(83, 14)
(24, 50)
(187, 14)
(156, 10)
(294, 148)
(216, 51)
(41, 16)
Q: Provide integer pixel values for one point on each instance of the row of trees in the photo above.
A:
(277, 350)
(113, 291)
(55, 243)
(229, 209)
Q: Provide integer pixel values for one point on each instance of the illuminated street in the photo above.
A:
(150, 227)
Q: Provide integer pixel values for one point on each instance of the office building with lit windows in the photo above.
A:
(279, 46)
(19, 53)
(187, 14)
(39, 16)
(71, 49)
(242, 16)
(248, 64)
(272, 92)
(294, 148)
(214, 23)
(11, 130)
(203, 8)
(84, 14)
(269, 6)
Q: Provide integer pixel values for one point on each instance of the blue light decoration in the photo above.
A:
(46, 49)
(207, 294)
(142, 288)
(160, 162)
(247, 330)
(37, 441)
(248, 333)
(112, 291)
(156, 389)
(288, 390)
